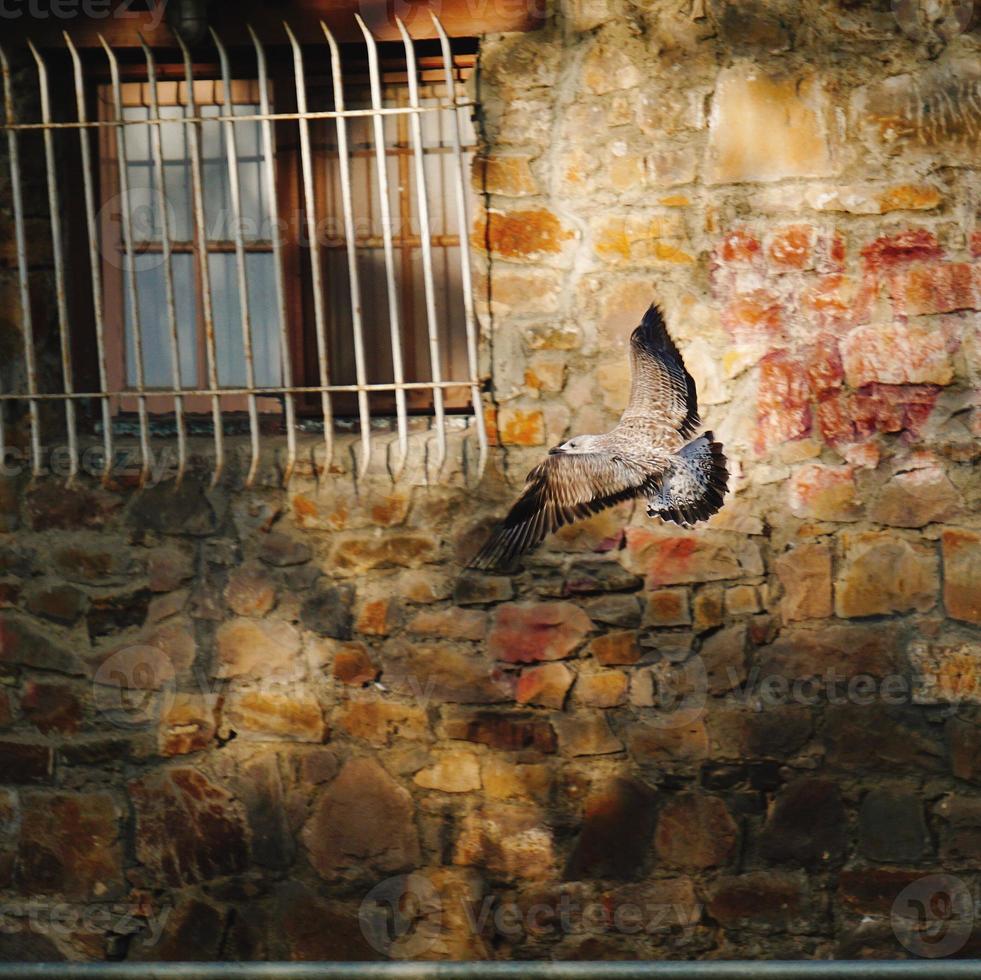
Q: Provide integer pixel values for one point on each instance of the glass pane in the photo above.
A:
(155, 323)
(263, 315)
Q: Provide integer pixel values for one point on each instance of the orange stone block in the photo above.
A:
(521, 235)
(521, 427)
(790, 248)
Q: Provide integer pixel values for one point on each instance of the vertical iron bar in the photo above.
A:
(381, 165)
(58, 254)
(425, 234)
(156, 147)
(201, 248)
(146, 457)
(231, 150)
(315, 269)
(94, 261)
(275, 233)
(352, 250)
(465, 265)
(20, 239)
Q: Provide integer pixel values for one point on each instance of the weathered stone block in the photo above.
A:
(62, 604)
(24, 763)
(824, 493)
(910, 353)
(70, 845)
(265, 715)
(962, 574)
(891, 825)
(188, 829)
(250, 592)
(521, 235)
(359, 554)
(669, 744)
(884, 573)
(619, 647)
(51, 707)
(763, 128)
(669, 557)
(443, 672)
(175, 510)
(586, 734)
(362, 822)
(187, 724)
(806, 825)
(774, 899)
(383, 722)
(915, 498)
(543, 631)
(452, 772)
(258, 648)
(510, 841)
(546, 685)
(330, 612)
(695, 831)
(353, 665)
(507, 732)
(618, 821)
(606, 689)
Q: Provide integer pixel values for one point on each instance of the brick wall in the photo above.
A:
(241, 724)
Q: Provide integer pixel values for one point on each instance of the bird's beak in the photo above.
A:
(556, 451)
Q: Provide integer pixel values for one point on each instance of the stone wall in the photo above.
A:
(246, 724)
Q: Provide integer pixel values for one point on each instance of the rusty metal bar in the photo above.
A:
(269, 116)
(868, 969)
(268, 391)
(58, 254)
(231, 151)
(156, 148)
(204, 271)
(126, 230)
(465, 263)
(269, 171)
(315, 268)
(422, 202)
(92, 228)
(381, 166)
(27, 323)
(352, 253)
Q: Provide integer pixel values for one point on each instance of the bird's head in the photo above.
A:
(578, 444)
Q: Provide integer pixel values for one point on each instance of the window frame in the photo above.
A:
(295, 257)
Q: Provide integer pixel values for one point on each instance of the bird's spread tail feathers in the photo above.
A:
(694, 487)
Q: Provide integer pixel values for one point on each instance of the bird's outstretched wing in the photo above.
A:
(565, 487)
(660, 386)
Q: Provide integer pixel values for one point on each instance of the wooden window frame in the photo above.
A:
(294, 256)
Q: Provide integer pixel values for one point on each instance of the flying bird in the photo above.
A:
(649, 454)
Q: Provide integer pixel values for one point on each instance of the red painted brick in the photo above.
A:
(739, 246)
(753, 314)
(783, 408)
(936, 287)
(791, 247)
(916, 244)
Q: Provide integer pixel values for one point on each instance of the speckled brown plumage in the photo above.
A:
(647, 454)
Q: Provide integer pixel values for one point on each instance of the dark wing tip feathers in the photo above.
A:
(652, 336)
